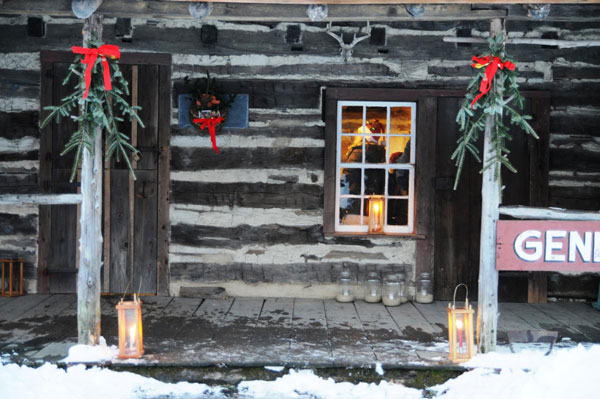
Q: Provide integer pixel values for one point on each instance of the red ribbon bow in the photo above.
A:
(89, 57)
(211, 123)
(492, 64)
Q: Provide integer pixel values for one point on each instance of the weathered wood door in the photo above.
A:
(135, 212)
(458, 213)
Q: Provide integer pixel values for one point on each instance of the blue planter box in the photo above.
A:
(237, 115)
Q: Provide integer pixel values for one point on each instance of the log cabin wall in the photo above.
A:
(250, 219)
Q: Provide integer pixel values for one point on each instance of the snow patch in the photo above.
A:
(305, 384)
(100, 353)
(379, 368)
(276, 369)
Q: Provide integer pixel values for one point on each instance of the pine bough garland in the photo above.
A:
(93, 104)
(494, 92)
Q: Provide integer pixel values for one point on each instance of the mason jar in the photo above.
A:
(424, 287)
(373, 288)
(345, 293)
(391, 291)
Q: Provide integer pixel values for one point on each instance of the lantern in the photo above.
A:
(131, 340)
(376, 211)
(460, 329)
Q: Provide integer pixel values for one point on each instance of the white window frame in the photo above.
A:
(363, 228)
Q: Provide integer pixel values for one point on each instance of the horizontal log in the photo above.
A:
(574, 159)
(16, 125)
(11, 224)
(314, 132)
(311, 272)
(527, 212)
(40, 199)
(251, 12)
(582, 198)
(537, 42)
(257, 195)
(250, 158)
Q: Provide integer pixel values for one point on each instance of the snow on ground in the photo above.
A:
(92, 353)
(51, 382)
(566, 373)
(305, 384)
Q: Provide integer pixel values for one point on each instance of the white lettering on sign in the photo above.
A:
(597, 246)
(584, 247)
(535, 245)
(530, 248)
(551, 246)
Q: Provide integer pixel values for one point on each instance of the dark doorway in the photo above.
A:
(135, 212)
(458, 213)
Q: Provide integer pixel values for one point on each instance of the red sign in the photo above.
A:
(548, 245)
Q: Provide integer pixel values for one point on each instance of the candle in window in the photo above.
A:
(376, 212)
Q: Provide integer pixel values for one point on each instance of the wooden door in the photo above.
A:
(458, 213)
(135, 211)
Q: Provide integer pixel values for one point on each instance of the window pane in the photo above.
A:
(374, 181)
(352, 119)
(400, 120)
(352, 149)
(398, 182)
(376, 119)
(350, 211)
(350, 181)
(375, 147)
(400, 149)
(397, 212)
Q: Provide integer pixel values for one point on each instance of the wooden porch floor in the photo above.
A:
(274, 331)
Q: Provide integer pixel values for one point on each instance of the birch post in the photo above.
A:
(90, 242)
(490, 195)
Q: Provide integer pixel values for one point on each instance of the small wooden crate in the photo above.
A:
(9, 275)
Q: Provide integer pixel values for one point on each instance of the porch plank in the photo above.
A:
(413, 325)
(589, 318)
(30, 326)
(310, 342)
(4, 300)
(349, 343)
(273, 331)
(20, 305)
(566, 317)
(510, 321)
(538, 320)
(234, 338)
(435, 313)
(168, 323)
(384, 334)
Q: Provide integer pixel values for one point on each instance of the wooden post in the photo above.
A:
(90, 242)
(490, 201)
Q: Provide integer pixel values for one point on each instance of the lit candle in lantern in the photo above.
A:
(132, 337)
(459, 328)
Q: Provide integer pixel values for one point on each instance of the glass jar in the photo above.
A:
(424, 287)
(391, 291)
(373, 288)
(345, 293)
(403, 288)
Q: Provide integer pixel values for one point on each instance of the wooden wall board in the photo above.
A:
(120, 244)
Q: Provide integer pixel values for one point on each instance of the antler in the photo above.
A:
(346, 48)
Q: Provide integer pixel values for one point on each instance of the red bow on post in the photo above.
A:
(492, 64)
(89, 57)
(211, 123)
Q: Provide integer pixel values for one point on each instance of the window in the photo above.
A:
(375, 167)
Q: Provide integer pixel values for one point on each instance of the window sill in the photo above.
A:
(413, 236)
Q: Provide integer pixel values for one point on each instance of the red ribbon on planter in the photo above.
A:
(211, 123)
(90, 55)
(491, 65)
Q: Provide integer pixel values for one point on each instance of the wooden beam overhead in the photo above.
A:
(297, 12)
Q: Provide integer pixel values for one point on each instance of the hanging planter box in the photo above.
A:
(237, 115)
